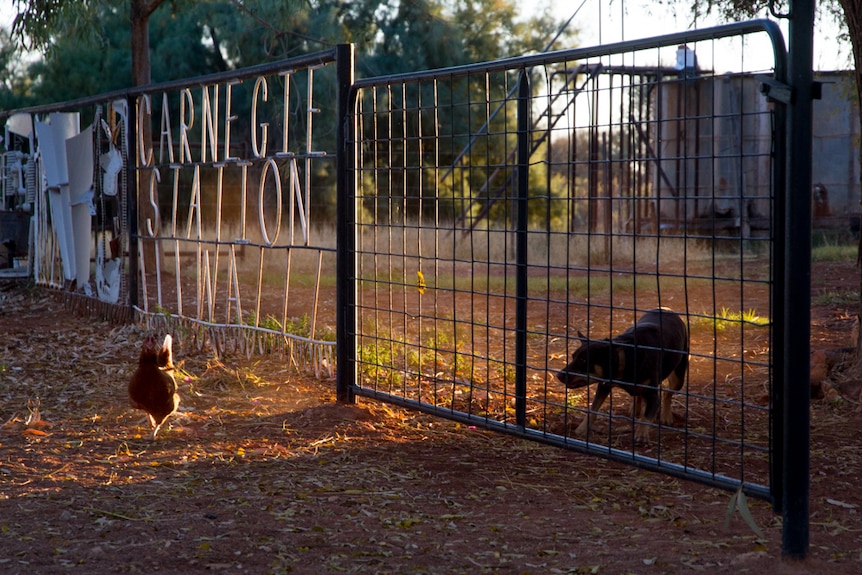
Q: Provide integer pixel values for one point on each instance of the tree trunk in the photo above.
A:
(140, 11)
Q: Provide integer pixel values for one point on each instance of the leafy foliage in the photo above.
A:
(88, 49)
(86, 45)
(14, 84)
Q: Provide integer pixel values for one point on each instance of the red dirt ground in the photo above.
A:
(263, 472)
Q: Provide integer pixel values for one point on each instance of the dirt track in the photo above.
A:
(264, 473)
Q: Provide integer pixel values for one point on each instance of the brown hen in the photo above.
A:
(152, 387)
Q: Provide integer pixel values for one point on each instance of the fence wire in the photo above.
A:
(506, 212)
(227, 250)
(197, 206)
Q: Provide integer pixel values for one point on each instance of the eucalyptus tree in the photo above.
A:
(100, 45)
(38, 25)
(14, 82)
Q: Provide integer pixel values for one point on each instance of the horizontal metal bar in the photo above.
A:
(212, 324)
(735, 29)
(300, 62)
(642, 461)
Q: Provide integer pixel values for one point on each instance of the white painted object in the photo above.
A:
(107, 276)
(52, 136)
(111, 163)
(79, 154)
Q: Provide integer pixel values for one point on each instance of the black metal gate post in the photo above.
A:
(524, 130)
(798, 285)
(345, 266)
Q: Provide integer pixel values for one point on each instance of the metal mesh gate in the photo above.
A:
(187, 205)
(502, 212)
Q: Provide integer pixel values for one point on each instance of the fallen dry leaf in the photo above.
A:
(265, 473)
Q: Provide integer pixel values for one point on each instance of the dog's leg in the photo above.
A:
(675, 382)
(651, 400)
(637, 407)
(602, 392)
(667, 397)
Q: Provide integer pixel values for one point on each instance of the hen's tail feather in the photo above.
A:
(166, 354)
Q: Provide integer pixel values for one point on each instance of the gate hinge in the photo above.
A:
(775, 90)
(781, 92)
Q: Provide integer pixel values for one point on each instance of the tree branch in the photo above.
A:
(241, 5)
(147, 7)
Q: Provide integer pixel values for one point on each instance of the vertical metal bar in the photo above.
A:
(131, 175)
(345, 377)
(795, 534)
(779, 310)
(593, 163)
(523, 179)
(309, 147)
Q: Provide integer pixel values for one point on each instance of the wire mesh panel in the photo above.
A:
(235, 191)
(513, 215)
(205, 206)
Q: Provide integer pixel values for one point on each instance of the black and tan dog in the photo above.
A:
(637, 360)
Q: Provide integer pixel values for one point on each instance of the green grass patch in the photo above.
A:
(837, 298)
(727, 317)
(298, 326)
(832, 252)
(298, 279)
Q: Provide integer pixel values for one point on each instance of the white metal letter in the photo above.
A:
(186, 101)
(165, 131)
(154, 179)
(259, 151)
(195, 206)
(269, 163)
(209, 126)
(228, 118)
(145, 153)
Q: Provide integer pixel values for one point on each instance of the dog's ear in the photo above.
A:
(582, 337)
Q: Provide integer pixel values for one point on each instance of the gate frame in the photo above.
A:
(789, 482)
(791, 88)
